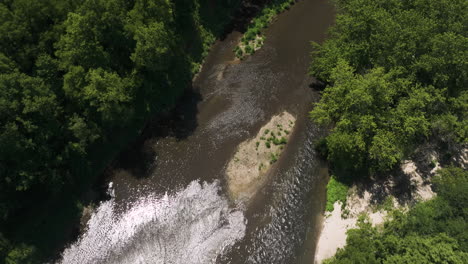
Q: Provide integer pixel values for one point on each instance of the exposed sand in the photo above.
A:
(423, 191)
(247, 169)
(333, 235)
(464, 158)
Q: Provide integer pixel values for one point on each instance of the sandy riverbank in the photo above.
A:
(337, 223)
(247, 169)
(335, 226)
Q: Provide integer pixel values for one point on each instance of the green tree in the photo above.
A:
(109, 95)
(78, 79)
(360, 107)
(430, 232)
(153, 47)
(397, 76)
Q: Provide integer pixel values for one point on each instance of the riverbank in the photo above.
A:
(374, 200)
(248, 167)
(253, 38)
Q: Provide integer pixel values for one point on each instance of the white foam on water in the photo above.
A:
(195, 225)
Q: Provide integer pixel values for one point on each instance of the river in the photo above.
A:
(167, 194)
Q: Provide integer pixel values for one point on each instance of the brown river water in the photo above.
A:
(168, 201)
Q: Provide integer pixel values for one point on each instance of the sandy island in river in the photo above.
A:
(247, 169)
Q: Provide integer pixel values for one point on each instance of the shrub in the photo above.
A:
(336, 191)
(262, 21)
(283, 141)
(273, 158)
(250, 35)
(276, 141)
(249, 49)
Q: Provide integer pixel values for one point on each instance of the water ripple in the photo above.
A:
(194, 225)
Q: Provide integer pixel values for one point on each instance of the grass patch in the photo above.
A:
(336, 191)
(253, 38)
(273, 158)
(281, 141)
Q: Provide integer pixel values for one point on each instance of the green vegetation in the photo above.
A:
(397, 74)
(386, 205)
(261, 166)
(283, 141)
(273, 152)
(277, 141)
(78, 79)
(272, 138)
(274, 157)
(435, 231)
(336, 191)
(252, 39)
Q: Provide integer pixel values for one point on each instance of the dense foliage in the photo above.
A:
(435, 231)
(398, 76)
(336, 191)
(78, 75)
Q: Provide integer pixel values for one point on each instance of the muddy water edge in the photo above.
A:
(229, 101)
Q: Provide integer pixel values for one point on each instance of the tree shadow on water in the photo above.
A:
(178, 123)
(241, 19)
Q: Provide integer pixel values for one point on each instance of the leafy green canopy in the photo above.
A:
(336, 191)
(398, 74)
(76, 76)
(431, 232)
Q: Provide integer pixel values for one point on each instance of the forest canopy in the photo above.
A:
(435, 231)
(397, 74)
(76, 76)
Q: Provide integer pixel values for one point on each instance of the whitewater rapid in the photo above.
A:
(194, 225)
